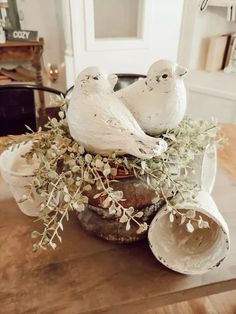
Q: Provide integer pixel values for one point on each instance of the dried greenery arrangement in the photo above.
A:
(67, 172)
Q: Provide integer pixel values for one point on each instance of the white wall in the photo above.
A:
(45, 16)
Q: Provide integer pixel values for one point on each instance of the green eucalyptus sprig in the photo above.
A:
(67, 173)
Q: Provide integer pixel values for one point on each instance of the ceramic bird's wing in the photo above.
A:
(122, 118)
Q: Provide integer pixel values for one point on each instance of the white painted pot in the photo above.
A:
(17, 173)
(203, 249)
(185, 252)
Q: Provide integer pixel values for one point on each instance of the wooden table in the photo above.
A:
(28, 51)
(89, 275)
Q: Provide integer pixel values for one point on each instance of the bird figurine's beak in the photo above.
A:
(112, 79)
(181, 71)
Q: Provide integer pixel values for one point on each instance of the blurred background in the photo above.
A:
(124, 36)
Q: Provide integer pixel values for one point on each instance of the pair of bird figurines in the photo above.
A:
(131, 120)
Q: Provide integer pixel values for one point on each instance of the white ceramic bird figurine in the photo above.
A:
(158, 102)
(99, 120)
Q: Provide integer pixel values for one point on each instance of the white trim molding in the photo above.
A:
(68, 53)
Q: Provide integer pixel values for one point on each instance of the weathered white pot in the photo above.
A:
(203, 249)
(185, 252)
(17, 173)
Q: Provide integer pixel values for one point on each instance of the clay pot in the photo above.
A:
(17, 173)
(99, 222)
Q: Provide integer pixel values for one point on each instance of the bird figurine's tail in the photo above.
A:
(147, 147)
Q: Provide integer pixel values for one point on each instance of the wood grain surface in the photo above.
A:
(227, 156)
(223, 303)
(8, 44)
(90, 275)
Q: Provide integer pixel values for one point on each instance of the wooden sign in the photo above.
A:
(21, 35)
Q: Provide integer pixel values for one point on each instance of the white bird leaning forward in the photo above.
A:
(158, 102)
(102, 123)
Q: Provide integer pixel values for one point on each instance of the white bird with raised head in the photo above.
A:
(158, 102)
(99, 120)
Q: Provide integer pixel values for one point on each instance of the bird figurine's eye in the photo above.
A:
(164, 76)
(95, 77)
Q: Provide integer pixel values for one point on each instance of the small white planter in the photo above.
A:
(17, 173)
(203, 249)
(185, 252)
